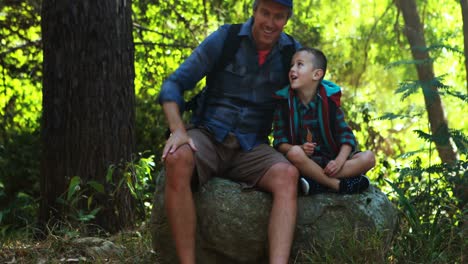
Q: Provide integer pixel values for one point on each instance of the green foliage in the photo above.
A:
(137, 177)
(431, 228)
(20, 104)
(368, 56)
(80, 198)
(354, 249)
(16, 215)
(76, 195)
(461, 141)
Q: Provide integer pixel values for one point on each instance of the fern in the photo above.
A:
(408, 88)
(411, 153)
(411, 87)
(422, 135)
(437, 82)
(458, 95)
(460, 139)
(392, 116)
(408, 62)
(442, 46)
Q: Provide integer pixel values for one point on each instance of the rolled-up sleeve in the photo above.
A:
(279, 128)
(344, 133)
(193, 69)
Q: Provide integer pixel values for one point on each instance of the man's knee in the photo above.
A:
(285, 178)
(182, 157)
(179, 168)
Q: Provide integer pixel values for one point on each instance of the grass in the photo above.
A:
(364, 246)
(125, 247)
(135, 247)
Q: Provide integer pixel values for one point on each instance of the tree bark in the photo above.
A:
(439, 126)
(464, 8)
(88, 104)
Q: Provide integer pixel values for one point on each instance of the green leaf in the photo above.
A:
(130, 184)
(442, 46)
(110, 172)
(73, 187)
(391, 116)
(427, 137)
(90, 201)
(408, 62)
(96, 186)
(408, 88)
(409, 211)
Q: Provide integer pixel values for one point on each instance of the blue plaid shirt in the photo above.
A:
(256, 92)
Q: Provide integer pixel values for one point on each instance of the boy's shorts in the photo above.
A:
(228, 160)
(323, 160)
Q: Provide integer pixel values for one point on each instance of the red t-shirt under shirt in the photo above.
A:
(262, 55)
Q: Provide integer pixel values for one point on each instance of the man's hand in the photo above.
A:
(177, 138)
(309, 148)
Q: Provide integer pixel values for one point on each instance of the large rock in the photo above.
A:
(232, 224)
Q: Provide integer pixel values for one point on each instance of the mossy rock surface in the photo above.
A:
(232, 224)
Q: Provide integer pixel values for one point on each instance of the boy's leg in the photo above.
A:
(310, 169)
(358, 164)
(352, 185)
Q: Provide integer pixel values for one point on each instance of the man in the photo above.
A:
(230, 135)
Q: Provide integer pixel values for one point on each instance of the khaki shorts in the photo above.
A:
(228, 160)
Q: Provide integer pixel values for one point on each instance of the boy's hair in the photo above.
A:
(319, 61)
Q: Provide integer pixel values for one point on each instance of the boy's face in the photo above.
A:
(270, 19)
(303, 72)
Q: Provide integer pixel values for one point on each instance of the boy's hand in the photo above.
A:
(332, 168)
(177, 138)
(309, 148)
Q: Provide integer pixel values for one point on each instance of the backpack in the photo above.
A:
(230, 46)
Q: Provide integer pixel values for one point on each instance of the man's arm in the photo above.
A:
(192, 70)
(178, 135)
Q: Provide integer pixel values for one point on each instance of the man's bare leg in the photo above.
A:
(281, 180)
(180, 208)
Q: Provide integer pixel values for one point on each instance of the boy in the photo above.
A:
(310, 130)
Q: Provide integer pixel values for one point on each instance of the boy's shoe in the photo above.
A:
(354, 185)
(304, 185)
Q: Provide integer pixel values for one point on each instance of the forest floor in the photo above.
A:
(125, 247)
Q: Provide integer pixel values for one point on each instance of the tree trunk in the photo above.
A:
(415, 34)
(464, 8)
(88, 104)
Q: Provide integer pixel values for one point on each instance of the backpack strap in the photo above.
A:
(230, 46)
(228, 52)
(232, 43)
(286, 55)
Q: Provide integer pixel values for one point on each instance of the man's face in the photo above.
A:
(269, 21)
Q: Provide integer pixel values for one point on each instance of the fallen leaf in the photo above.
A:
(309, 136)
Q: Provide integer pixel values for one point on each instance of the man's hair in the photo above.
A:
(319, 61)
(256, 2)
